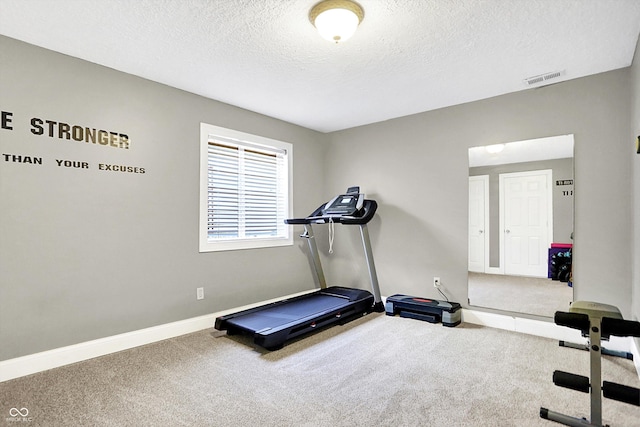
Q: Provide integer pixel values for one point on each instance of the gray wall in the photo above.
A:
(87, 253)
(562, 169)
(635, 159)
(416, 167)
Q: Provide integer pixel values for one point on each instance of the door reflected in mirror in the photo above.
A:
(521, 225)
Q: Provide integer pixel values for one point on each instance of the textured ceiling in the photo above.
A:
(408, 56)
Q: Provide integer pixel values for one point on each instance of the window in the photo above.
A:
(245, 190)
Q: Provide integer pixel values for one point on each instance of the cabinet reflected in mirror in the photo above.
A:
(521, 225)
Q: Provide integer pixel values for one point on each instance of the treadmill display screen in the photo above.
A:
(344, 204)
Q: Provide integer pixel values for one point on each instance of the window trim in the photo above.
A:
(205, 245)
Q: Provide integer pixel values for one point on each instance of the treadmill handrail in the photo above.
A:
(366, 214)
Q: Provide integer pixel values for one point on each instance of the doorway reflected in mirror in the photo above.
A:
(521, 225)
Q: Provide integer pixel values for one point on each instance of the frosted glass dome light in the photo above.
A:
(336, 20)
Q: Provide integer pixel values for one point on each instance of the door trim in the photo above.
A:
(487, 234)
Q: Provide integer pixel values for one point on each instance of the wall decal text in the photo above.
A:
(70, 132)
(76, 164)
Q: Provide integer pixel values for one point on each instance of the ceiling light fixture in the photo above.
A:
(336, 20)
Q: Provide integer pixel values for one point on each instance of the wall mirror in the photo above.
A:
(521, 225)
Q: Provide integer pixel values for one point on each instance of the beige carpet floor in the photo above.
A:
(375, 371)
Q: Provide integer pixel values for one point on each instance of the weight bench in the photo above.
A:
(598, 322)
(602, 310)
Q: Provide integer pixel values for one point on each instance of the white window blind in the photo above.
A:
(247, 193)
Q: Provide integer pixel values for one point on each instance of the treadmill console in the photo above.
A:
(345, 204)
(348, 208)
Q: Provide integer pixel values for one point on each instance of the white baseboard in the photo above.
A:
(547, 330)
(33, 363)
(30, 364)
(37, 362)
(522, 325)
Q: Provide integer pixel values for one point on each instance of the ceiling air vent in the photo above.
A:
(543, 78)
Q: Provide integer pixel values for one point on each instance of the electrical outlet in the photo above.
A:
(200, 293)
(436, 282)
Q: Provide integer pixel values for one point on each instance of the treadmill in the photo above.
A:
(274, 324)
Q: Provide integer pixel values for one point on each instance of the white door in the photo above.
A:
(526, 221)
(478, 222)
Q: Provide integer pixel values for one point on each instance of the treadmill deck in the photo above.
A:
(273, 324)
(293, 311)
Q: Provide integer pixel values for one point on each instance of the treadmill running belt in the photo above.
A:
(278, 315)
